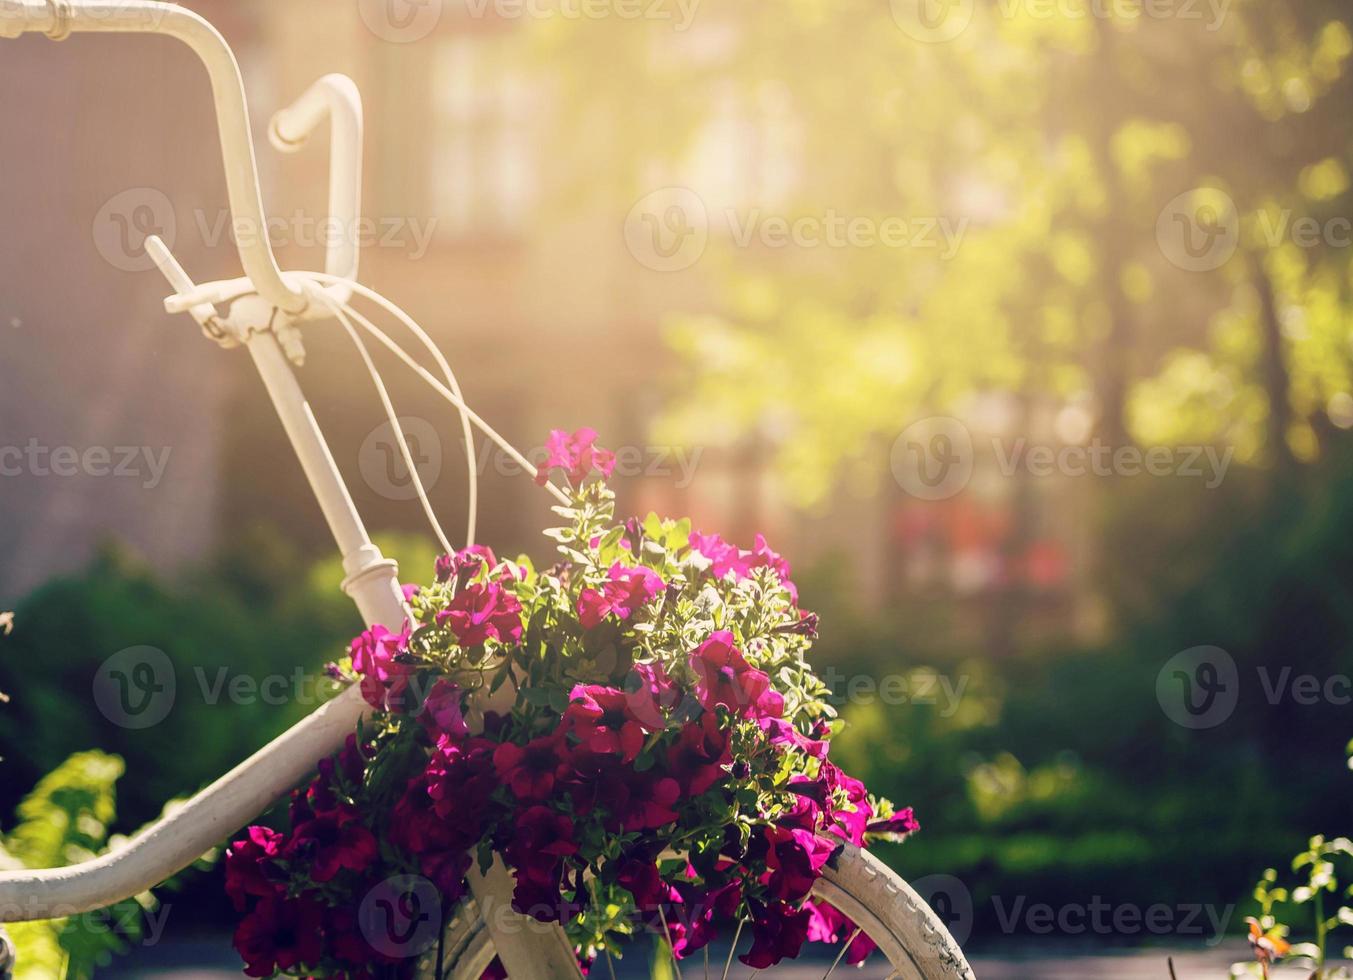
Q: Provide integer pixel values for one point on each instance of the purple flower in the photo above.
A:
(783, 733)
(795, 859)
(778, 931)
(727, 679)
(899, 826)
(332, 843)
(532, 769)
(700, 755)
(281, 934)
(250, 867)
(830, 926)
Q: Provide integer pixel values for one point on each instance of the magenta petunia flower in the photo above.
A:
(625, 591)
(469, 560)
(702, 913)
(828, 925)
(700, 756)
(442, 710)
(331, 843)
(650, 803)
(461, 778)
(639, 876)
(601, 719)
(577, 454)
(901, 824)
(376, 657)
(650, 694)
(482, 611)
(532, 770)
(783, 733)
(250, 867)
(850, 818)
(281, 934)
(778, 932)
(794, 859)
(416, 827)
(727, 679)
(728, 559)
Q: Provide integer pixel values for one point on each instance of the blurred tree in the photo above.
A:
(1052, 140)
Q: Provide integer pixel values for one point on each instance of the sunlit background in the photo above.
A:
(1024, 328)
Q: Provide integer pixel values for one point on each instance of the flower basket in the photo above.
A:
(634, 731)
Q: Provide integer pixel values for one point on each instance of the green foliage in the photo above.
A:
(258, 612)
(1056, 773)
(65, 820)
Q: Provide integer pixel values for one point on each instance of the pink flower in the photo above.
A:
(482, 611)
(649, 694)
(706, 909)
(649, 802)
(795, 859)
(848, 817)
(783, 733)
(416, 827)
(602, 719)
(376, 655)
(250, 869)
(729, 559)
(332, 843)
(624, 592)
(531, 770)
(442, 710)
(700, 755)
(577, 454)
(830, 926)
(900, 825)
(727, 679)
(778, 931)
(281, 934)
(470, 559)
(725, 557)
(541, 839)
(462, 778)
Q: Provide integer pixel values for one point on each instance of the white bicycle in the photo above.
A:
(265, 310)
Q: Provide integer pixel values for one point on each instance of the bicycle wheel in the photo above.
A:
(909, 936)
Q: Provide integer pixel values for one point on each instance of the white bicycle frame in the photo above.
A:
(265, 305)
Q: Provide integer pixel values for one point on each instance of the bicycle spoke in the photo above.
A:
(706, 963)
(734, 948)
(844, 947)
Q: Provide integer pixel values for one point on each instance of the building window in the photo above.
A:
(482, 166)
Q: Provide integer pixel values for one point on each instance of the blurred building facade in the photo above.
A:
(547, 317)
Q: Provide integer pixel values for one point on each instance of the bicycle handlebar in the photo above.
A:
(336, 98)
(59, 18)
